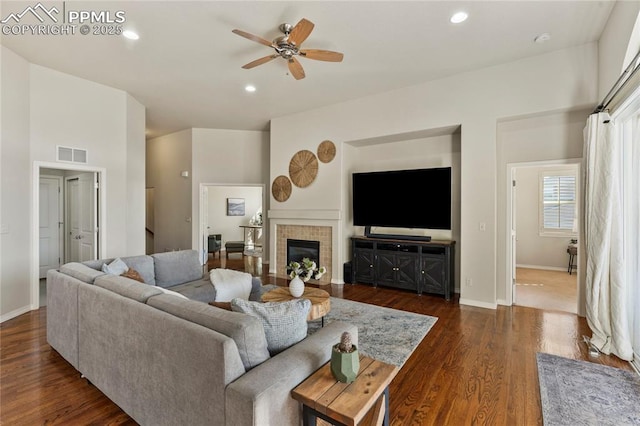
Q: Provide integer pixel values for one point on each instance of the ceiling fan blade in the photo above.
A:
(300, 32)
(322, 55)
(259, 61)
(253, 37)
(296, 69)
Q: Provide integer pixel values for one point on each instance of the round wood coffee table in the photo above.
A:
(320, 300)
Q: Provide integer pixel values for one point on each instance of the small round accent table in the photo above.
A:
(320, 300)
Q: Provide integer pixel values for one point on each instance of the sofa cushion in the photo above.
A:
(176, 267)
(171, 292)
(81, 272)
(246, 331)
(201, 290)
(117, 267)
(285, 323)
(127, 287)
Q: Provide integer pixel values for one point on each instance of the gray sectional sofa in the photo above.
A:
(168, 360)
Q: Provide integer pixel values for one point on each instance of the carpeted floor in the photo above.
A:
(385, 334)
(584, 393)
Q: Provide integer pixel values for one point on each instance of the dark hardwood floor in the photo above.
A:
(475, 366)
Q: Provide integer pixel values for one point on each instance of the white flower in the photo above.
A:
(306, 270)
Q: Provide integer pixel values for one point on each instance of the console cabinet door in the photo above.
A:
(397, 270)
(363, 264)
(432, 270)
(406, 268)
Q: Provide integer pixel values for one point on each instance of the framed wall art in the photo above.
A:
(235, 206)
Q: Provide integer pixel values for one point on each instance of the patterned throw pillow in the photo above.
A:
(133, 274)
(285, 323)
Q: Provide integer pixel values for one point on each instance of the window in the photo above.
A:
(558, 203)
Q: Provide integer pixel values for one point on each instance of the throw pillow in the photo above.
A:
(230, 284)
(285, 323)
(133, 274)
(117, 267)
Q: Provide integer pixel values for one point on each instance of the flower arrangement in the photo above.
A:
(306, 269)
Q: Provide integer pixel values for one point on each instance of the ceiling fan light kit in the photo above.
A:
(288, 46)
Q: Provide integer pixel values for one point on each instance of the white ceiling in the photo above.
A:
(186, 66)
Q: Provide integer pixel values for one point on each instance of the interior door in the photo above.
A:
(82, 219)
(50, 225)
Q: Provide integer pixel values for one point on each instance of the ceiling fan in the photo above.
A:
(288, 47)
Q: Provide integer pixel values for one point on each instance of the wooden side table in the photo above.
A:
(346, 404)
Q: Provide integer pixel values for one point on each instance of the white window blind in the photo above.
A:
(558, 204)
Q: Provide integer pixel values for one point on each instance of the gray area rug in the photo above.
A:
(583, 393)
(385, 334)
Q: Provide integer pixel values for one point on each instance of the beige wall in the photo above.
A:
(229, 157)
(617, 45)
(102, 120)
(15, 181)
(167, 157)
(424, 152)
(532, 249)
(476, 100)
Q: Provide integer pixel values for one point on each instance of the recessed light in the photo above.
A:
(458, 17)
(542, 38)
(250, 88)
(131, 35)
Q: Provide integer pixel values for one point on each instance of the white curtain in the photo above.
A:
(606, 292)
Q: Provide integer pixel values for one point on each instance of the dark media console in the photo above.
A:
(421, 266)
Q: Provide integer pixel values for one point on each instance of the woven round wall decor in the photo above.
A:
(303, 168)
(326, 151)
(281, 188)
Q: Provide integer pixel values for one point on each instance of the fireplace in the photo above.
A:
(299, 249)
(319, 236)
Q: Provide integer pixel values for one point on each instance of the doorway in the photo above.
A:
(540, 232)
(54, 209)
(216, 218)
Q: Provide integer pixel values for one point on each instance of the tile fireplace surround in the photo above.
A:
(304, 232)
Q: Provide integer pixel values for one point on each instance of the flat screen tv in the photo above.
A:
(418, 198)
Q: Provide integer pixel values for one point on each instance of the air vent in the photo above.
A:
(72, 155)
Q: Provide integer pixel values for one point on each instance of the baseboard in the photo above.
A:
(15, 313)
(545, 268)
(478, 304)
(503, 302)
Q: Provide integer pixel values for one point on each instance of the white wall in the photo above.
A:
(614, 47)
(475, 100)
(50, 108)
(229, 226)
(167, 157)
(232, 157)
(15, 181)
(532, 249)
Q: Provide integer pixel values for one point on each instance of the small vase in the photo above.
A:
(296, 287)
(345, 366)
